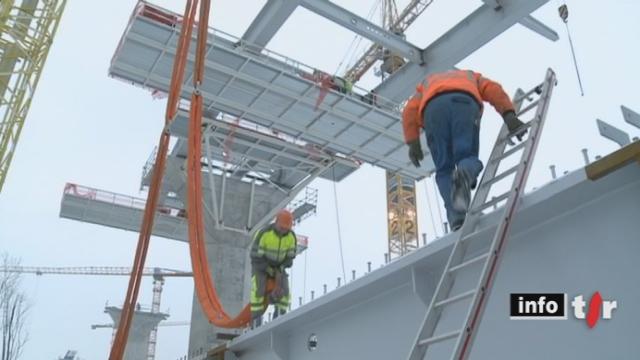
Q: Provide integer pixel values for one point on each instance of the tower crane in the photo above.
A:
(396, 24)
(164, 323)
(402, 218)
(158, 281)
(27, 29)
(93, 270)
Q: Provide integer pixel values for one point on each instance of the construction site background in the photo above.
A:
(86, 128)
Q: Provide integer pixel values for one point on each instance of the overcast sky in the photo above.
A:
(86, 128)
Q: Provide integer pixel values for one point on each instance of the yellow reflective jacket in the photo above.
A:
(271, 249)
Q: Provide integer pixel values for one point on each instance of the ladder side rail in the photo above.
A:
(492, 165)
(480, 299)
(457, 253)
(446, 280)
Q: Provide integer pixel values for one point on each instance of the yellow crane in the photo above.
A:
(27, 29)
(402, 215)
(396, 23)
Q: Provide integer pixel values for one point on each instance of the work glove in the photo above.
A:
(271, 272)
(276, 294)
(515, 126)
(415, 152)
(277, 291)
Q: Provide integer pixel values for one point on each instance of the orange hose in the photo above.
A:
(203, 281)
(120, 341)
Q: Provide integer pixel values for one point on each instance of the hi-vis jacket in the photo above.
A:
(467, 81)
(271, 250)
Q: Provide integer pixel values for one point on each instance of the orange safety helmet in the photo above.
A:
(284, 219)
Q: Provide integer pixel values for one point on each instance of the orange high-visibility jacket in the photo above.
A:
(472, 83)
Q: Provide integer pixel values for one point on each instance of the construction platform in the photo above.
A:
(269, 90)
(125, 212)
(233, 141)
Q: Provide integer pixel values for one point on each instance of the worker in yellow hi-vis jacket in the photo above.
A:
(272, 252)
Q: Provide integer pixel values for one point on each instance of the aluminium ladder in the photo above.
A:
(489, 260)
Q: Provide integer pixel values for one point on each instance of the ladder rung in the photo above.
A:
(467, 236)
(494, 201)
(438, 338)
(456, 298)
(468, 262)
(529, 107)
(510, 151)
(503, 175)
(506, 138)
(526, 95)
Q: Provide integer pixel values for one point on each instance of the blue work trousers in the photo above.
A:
(452, 128)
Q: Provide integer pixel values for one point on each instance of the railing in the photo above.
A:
(309, 73)
(118, 199)
(310, 197)
(138, 307)
(303, 243)
(199, 354)
(148, 166)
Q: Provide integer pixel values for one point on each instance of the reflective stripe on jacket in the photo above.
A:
(472, 83)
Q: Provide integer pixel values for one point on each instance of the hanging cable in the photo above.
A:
(203, 280)
(351, 50)
(335, 198)
(304, 280)
(433, 221)
(435, 190)
(348, 52)
(563, 11)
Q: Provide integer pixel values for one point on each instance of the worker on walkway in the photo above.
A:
(273, 251)
(449, 106)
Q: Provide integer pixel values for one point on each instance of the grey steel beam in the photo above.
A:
(539, 27)
(529, 22)
(270, 19)
(630, 116)
(613, 133)
(346, 323)
(477, 29)
(364, 28)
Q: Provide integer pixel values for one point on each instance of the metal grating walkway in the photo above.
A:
(268, 89)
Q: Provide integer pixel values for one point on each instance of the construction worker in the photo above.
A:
(272, 252)
(449, 106)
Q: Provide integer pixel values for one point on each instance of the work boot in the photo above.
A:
(456, 225)
(278, 312)
(460, 191)
(256, 322)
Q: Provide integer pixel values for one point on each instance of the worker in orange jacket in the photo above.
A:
(449, 106)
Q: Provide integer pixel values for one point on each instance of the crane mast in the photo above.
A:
(27, 29)
(402, 218)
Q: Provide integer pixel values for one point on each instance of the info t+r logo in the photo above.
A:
(553, 307)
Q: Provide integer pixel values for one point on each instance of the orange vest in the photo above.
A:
(472, 83)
